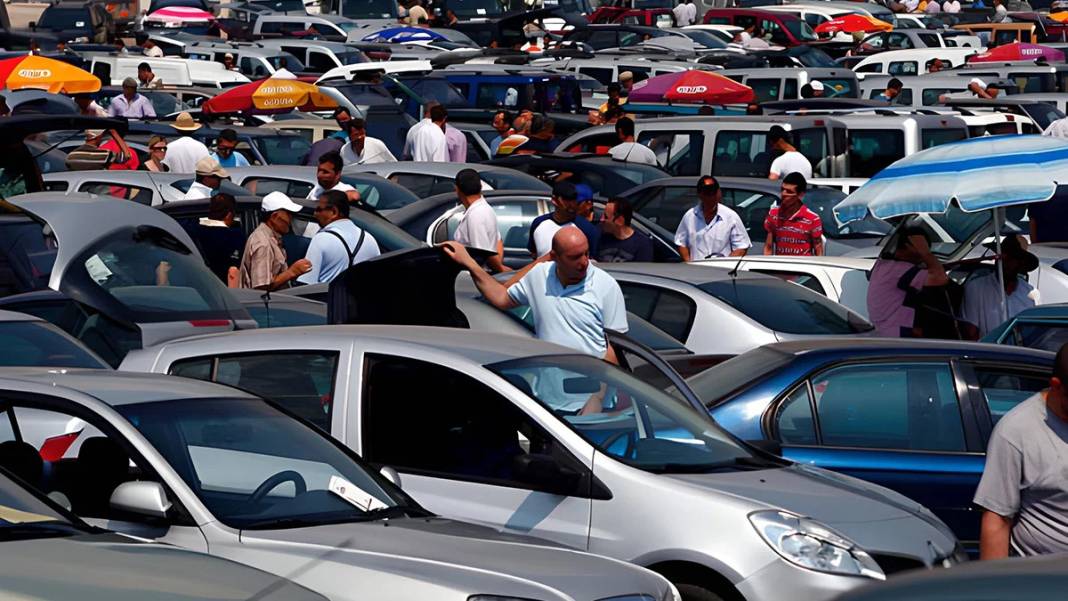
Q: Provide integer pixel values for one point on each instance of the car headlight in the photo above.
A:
(812, 545)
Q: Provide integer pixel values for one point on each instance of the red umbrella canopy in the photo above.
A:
(274, 95)
(1018, 51)
(690, 87)
(851, 23)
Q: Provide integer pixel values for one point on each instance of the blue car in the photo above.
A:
(1044, 327)
(913, 416)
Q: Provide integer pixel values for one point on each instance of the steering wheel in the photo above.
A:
(271, 483)
(628, 451)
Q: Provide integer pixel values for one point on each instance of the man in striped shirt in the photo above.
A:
(793, 228)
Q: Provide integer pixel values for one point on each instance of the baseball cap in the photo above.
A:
(209, 166)
(584, 192)
(816, 85)
(277, 201)
(565, 190)
(976, 80)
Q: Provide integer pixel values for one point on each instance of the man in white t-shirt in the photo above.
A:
(184, 152)
(628, 150)
(406, 153)
(328, 177)
(362, 149)
(478, 226)
(790, 161)
(681, 14)
(691, 11)
(429, 142)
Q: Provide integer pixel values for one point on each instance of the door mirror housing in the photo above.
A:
(140, 497)
(772, 447)
(391, 474)
(546, 474)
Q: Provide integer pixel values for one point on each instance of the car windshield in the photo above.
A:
(714, 384)
(283, 149)
(24, 516)
(151, 275)
(704, 38)
(58, 19)
(37, 344)
(1043, 335)
(813, 57)
(822, 202)
(469, 9)
(625, 417)
(351, 58)
(369, 9)
(256, 467)
(785, 307)
(800, 30)
(508, 179)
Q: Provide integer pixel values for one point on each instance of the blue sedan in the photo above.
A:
(914, 416)
(1043, 327)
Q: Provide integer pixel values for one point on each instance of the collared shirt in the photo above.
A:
(430, 144)
(138, 108)
(796, 234)
(198, 190)
(236, 159)
(455, 144)
(410, 136)
(682, 15)
(183, 154)
(478, 227)
(574, 316)
(264, 258)
(153, 84)
(329, 257)
(374, 151)
(153, 52)
(724, 235)
(981, 306)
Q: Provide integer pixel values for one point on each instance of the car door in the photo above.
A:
(457, 443)
(514, 217)
(908, 425)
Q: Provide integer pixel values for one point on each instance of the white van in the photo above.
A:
(912, 61)
(172, 71)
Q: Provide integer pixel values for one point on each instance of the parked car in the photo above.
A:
(919, 91)
(318, 56)
(214, 469)
(252, 60)
(28, 341)
(75, 21)
(616, 35)
(781, 29)
(330, 27)
(1043, 327)
(914, 416)
(261, 146)
(376, 192)
(912, 61)
(36, 535)
(605, 176)
(905, 39)
(430, 178)
(598, 468)
(785, 83)
(149, 188)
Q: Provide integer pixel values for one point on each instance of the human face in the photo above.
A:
(357, 136)
(157, 151)
(324, 213)
(228, 63)
(567, 209)
(343, 119)
(327, 176)
(212, 181)
(225, 148)
(892, 93)
(710, 199)
(279, 222)
(788, 194)
(143, 75)
(611, 222)
(499, 123)
(572, 263)
(129, 92)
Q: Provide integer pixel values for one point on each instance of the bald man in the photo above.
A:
(572, 302)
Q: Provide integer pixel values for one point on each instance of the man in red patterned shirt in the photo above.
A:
(793, 228)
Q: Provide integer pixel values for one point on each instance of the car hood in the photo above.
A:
(116, 568)
(467, 557)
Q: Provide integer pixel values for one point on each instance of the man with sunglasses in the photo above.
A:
(339, 244)
(224, 150)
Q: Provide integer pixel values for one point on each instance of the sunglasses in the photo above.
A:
(155, 148)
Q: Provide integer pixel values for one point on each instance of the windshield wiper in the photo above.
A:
(737, 463)
(398, 511)
(306, 522)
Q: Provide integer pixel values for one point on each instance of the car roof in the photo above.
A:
(1054, 311)
(864, 345)
(683, 272)
(826, 261)
(118, 388)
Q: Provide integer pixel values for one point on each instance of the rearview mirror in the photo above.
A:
(546, 473)
(581, 385)
(145, 498)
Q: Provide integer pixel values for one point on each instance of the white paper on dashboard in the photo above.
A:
(354, 494)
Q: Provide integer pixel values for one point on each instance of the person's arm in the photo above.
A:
(681, 240)
(494, 292)
(295, 270)
(518, 275)
(1033, 227)
(684, 252)
(740, 242)
(496, 264)
(817, 237)
(772, 175)
(769, 244)
(817, 247)
(994, 536)
(147, 109)
(936, 273)
(739, 252)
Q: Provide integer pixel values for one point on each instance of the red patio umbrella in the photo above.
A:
(1018, 51)
(273, 95)
(690, 87)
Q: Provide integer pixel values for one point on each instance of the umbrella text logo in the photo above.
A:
(692, 89)
(272, 90)
(35, 73)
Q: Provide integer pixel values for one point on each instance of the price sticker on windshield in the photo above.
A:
(354, 494)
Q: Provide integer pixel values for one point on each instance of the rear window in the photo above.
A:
(713, 385)
(283, 150)
(34, 344)
(929, 138)
(872, 150)
(785, 307)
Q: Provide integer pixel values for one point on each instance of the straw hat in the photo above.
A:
(185, 122)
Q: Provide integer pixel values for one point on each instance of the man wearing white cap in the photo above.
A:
(184, 152)
(817, 88)
(210, 175)
(263, 264)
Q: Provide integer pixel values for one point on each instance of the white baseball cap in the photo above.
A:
(816, 85)
(278, 201)
(976, 80)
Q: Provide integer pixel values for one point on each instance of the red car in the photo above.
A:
(652, 17)
(785, 29)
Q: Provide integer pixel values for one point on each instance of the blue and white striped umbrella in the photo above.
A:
(978, 174)
(399, 35)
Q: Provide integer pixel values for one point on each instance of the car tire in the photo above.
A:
(696, 592)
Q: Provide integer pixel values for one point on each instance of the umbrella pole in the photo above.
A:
(1000, 267)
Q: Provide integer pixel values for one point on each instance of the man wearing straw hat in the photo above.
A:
(184, 152)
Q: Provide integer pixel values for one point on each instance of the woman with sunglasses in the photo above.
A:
(157, 150)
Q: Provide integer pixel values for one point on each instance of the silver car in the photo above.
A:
(52, 556)
(26, 340)
(143, 187)
(429, 178)
(529, 438)
(213, 469)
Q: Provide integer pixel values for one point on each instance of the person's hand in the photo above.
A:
(300, 267)
(163, 271)
(456, 251)
(920, 244)
(354, 196)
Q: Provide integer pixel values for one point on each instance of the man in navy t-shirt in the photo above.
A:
(220, 243)
(542, 230)
(621, 242)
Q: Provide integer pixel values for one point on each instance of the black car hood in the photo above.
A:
(405, 287)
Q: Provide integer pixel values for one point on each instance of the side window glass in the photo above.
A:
(302, 382)
(319, 62)
(741, 154)
(198, 369)
(794, 418)
(263, 186)
(420, 185)
(801, 279)
(125, 192)
(902, 68)
(753, 208)
(476, 433)
(603, 75)
(789, 89)
(1044, 336)
(513, 221)
(666, 206)
(299, 189)
(764, 89)
(679, 153)
(1002, 390)
(673, 314)
(640, 300)
(889, 406)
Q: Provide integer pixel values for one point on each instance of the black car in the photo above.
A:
(616, 35)
(76, 22)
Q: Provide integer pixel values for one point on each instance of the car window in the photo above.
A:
(666, 205)
(678, 153)
(1005, 36)
(601, 74)
(36, 344)
(786, 308)
(800, 278)
(929, 40)
(875, 67)
(123, 191)
(1039, 335)
(1003, 389)
(793, 418)
(903, 68)
(300, 381)
(320, 62)
(871, 150)
(420, 184)
(901, 406)
(741, 154)
(930, 138)
(668, 310)
(753, 208)
(898, 41)
(764, 89)
(476, 433)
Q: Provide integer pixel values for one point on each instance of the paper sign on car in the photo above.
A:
(354, 494)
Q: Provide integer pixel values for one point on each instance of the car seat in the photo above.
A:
(22, 460)
(102, 466)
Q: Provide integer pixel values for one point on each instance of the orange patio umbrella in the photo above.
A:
(1060, 16)
(852, 23)
(272, 95)
(40, 73)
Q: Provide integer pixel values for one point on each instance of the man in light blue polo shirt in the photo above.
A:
(572, 302)
(339, 244)
(711, 229)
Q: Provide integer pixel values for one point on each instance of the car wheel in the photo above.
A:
(695, 592)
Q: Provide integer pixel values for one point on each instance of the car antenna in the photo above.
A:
(266, 296)
(734, 272)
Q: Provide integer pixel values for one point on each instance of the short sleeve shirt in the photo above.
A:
(374, 151)
(574, 316)
(890, 305)
(263, 259)
(478, 227)
(539, 244)
(791, 162)
(329, 257)
(725, 234)
(981, 306)
(1026, 477)
(796, 234)
(138, 108)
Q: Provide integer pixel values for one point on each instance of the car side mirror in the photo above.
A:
(772, 447)
(144, 498)
(546, 474)
(391, 474)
